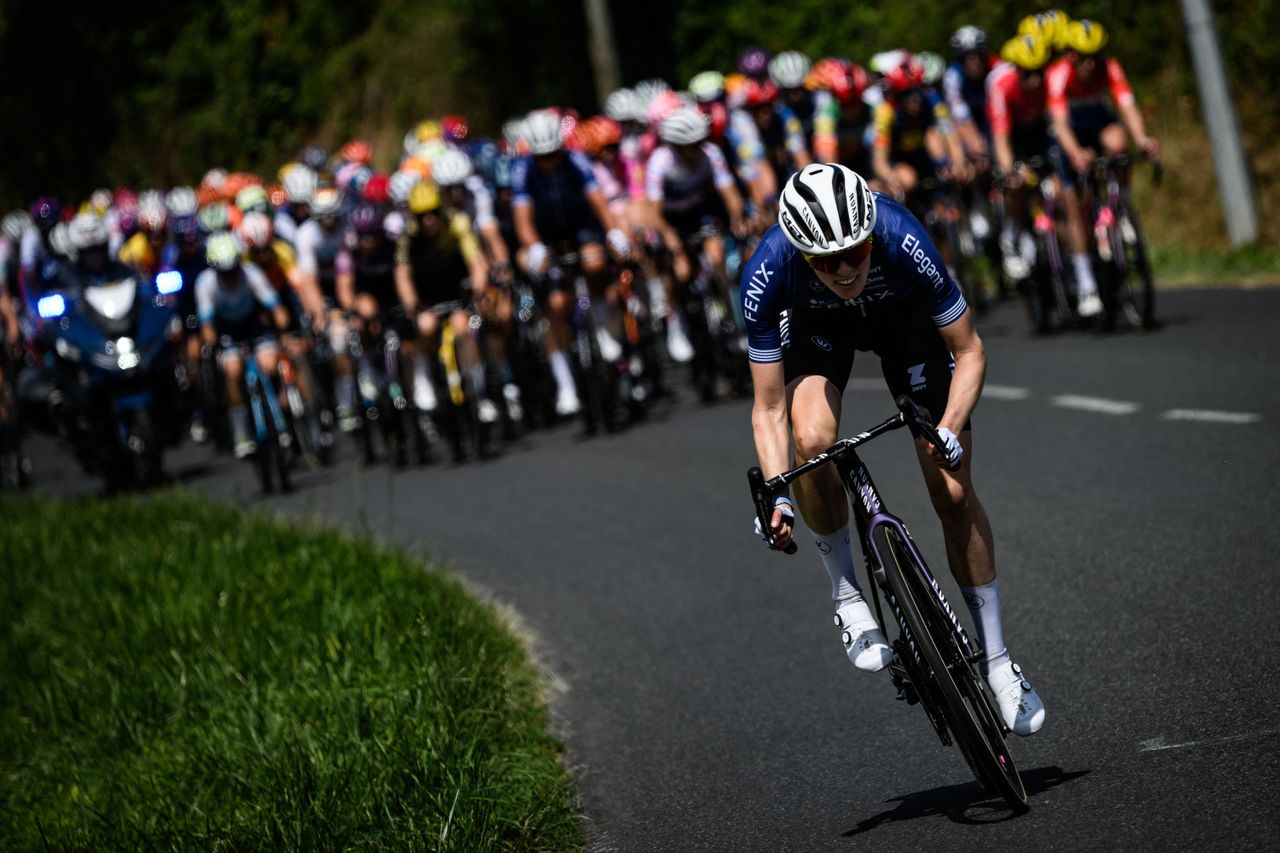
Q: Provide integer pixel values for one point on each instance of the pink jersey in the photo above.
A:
(634, 153)
(1067, 89)
(1007, 104)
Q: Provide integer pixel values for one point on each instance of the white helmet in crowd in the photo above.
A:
(255, 230)
(181, 201)
(789, 68)
(968, 38)
(325, 202)
(16, 222)
(86, 231)
(401, 184)
(60, 240)
(826, 209)
(685, 126)
(543, 132)
(624, 105)
(222, 251)
(300, 184)
(451, 167)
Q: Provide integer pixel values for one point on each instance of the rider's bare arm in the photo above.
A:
(970, 372)
(770, 427)
(405, 290)
(526, 232)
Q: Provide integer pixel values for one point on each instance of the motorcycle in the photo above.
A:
(109, 344)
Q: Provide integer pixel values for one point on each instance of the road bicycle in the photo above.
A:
(935, 664)
(1128, 287)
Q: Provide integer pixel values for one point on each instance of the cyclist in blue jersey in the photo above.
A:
(845, 270)
(559, 208)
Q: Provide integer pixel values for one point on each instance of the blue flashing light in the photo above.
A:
(169, 282)
(51, 307)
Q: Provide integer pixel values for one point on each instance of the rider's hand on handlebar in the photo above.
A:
(1149, 147)
(1081, 159)
(952, 452)
(780, 525)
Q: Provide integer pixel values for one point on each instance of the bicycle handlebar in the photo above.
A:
(763, 491)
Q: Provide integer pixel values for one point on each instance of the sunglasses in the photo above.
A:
(830, 264)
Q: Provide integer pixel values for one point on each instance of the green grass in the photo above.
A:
(176, 674)
(1250, 265)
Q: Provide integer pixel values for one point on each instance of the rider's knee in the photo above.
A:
(558, 302)
(812, 438)
(952, 499)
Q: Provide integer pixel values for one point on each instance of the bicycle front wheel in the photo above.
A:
(966, 705)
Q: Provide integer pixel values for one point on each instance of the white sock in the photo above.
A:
(560, 369)
(239, 416)
(837, 559)
(419, 367)
(984, 607)
(344, 388)
(1084, 274)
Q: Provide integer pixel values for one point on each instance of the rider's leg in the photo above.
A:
(233, 375)
(676, 283)
(558, 339)
(344, 387)
(1077, 240)
(814, 404)
(971, 557)
(424, 392)
(604, 300)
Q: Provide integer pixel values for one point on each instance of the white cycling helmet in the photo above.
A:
(826, 209)
(933, 64)
(300, 184)
(451, 167)
(789, 68)
(624, 105)
(685, 126)
(968, 38)
(181, 201)
(15, 223)
(647, 90)
(86, 231)
(60, 240)
(543, 132)
(325, 202)
(255, 230)
(401, 183)
(222, 251)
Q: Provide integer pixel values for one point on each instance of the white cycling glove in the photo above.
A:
(950, 447)
(618, 242)
(788, 516)
(536, 258)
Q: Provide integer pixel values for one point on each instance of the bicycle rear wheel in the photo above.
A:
(965, 704)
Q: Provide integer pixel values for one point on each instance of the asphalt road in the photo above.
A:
(703, 692)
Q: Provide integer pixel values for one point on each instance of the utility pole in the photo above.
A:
(604, 53)
(1234, 184)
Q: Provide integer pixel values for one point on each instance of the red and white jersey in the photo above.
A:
(1007, 105)
(1066, 88)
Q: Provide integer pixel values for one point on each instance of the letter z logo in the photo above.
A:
(916, 372)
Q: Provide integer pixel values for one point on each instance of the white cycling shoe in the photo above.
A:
(863, 640)
(1019, 704)
(567, 402)
(1089, 306)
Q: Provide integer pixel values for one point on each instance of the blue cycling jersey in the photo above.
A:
(904, 261)
(559, 197)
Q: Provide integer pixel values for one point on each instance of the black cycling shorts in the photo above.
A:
(913, 355)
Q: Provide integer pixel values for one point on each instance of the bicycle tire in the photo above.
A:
(968, 714)
(1140, 262)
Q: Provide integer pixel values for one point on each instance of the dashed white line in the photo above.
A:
(1101, 405)
(1005, 392)
(1211, 416)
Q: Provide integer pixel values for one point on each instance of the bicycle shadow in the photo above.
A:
(956, 802)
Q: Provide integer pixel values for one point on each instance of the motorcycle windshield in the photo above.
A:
(113, 301)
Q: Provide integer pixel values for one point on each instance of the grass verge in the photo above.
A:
(1249, 266)
(178, 674)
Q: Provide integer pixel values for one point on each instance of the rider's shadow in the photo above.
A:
(968, 803)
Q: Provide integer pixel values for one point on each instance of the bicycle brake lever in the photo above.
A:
(919, 417)
(764, 512)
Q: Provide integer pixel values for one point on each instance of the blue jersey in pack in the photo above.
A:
(558, 197)
(904, 262)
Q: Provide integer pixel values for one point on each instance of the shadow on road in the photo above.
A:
(968, 803)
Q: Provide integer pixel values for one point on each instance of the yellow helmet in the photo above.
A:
(1086, 37)
(1028, 52)
(1050, 26)
(424, 197)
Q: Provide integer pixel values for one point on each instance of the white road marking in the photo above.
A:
(1005, 392)
(1156, 744)
(1100, 405)
(1210, 416)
